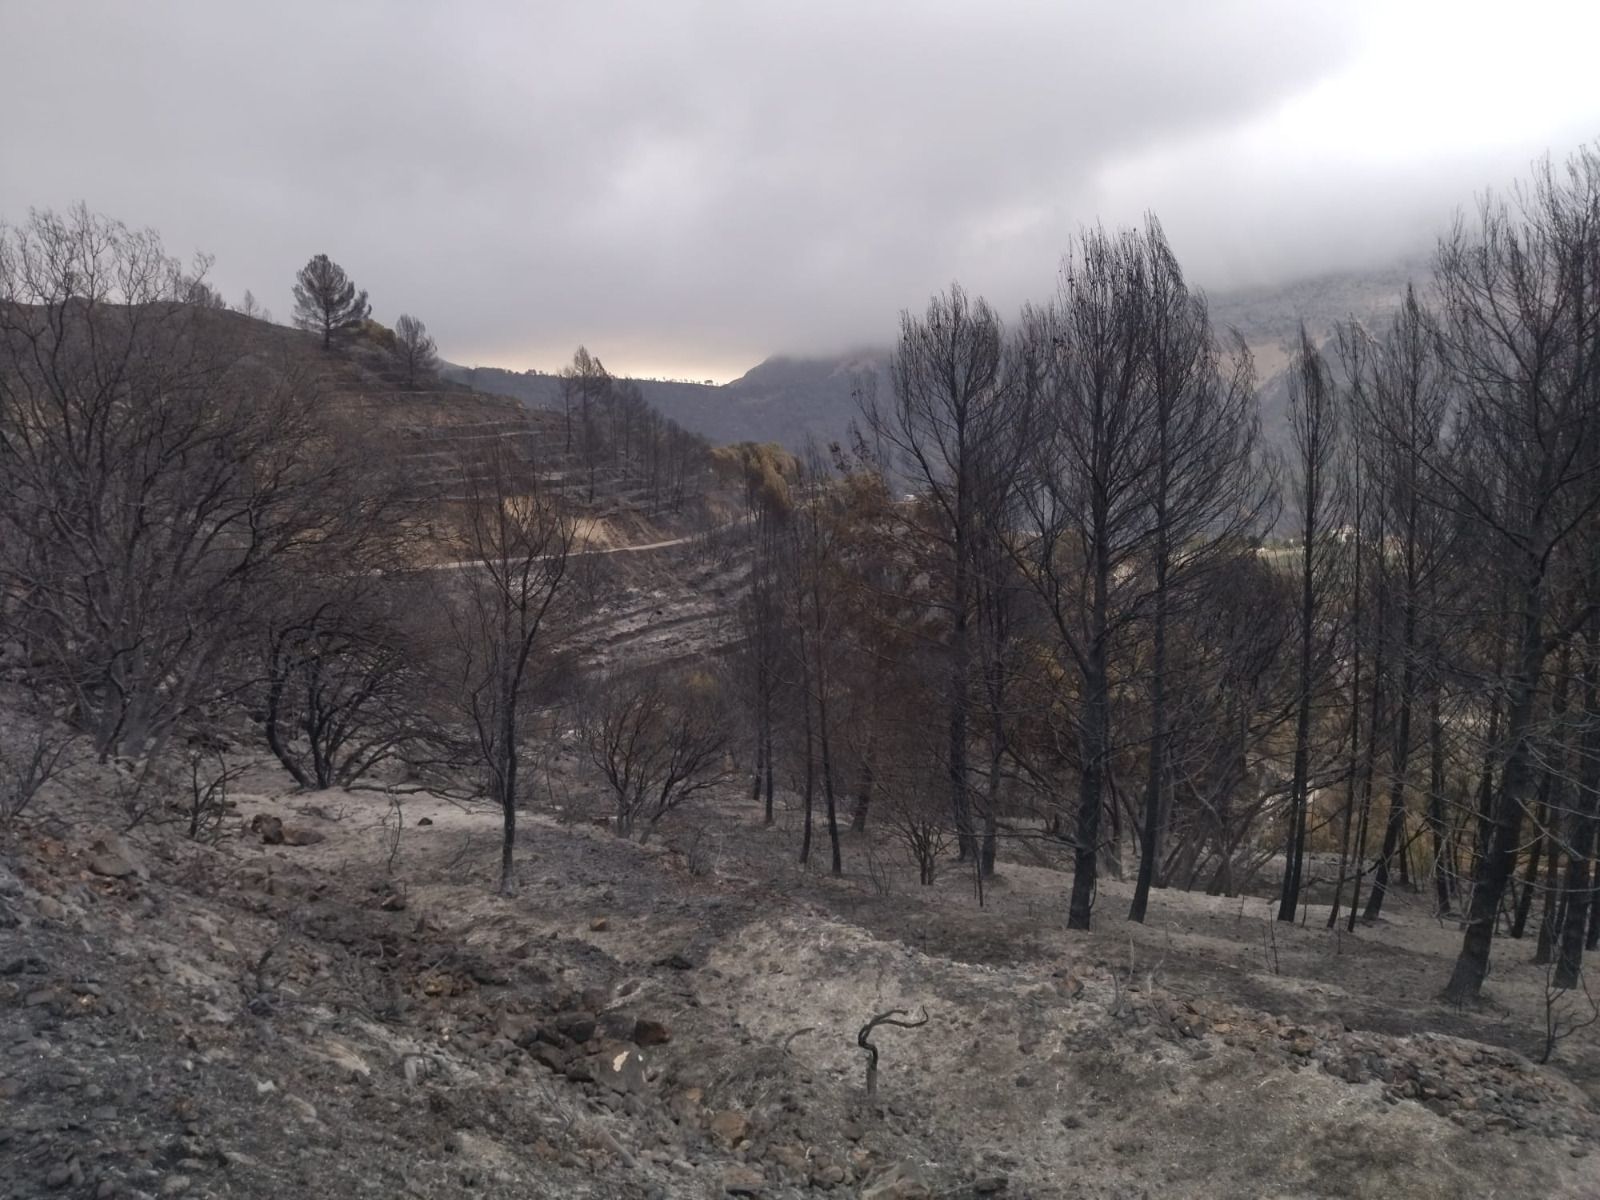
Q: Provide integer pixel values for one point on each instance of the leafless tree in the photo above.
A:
(1084, 360)
(1520, 325)
(1208, 498)
(517, 543)
(154, 482)
(765, 474)
(816, 532)
(250, 307)
(414, 350)
(910, 807)
(953, 430)
(343, 688)
(198, 292)
(210, 775)
(1409, 401)
(658, 739)
(28, 761)
(1314, 424)
(585, 383)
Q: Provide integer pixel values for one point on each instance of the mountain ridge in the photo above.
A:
(794, 399)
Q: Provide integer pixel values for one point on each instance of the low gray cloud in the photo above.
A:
(690, 186)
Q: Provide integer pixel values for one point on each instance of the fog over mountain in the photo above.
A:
(688, 189)
(796, 399)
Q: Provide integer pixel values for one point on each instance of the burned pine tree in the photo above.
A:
(952, 429)
(1208, 499)
(1082, 362)
(1521, 329)
(1315, 492)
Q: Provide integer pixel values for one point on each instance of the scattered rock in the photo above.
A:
(270, 829)
(50, 908)
(425, 821)
(111, 856)
(648, 1032)
(743, 1181)
(551, 1056)
(274, 832)
(599, 925)
(729, 1127)
(685, 1106)
(619, 1067)
(575, 1026)
(827, 1175)
(113, 866)
(900, 1182)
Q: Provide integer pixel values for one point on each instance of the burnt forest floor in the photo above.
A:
(332, 1000)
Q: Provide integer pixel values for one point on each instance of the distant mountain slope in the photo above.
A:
(1269, 321)
(785, 399)
(790, 399)
(1268, 318)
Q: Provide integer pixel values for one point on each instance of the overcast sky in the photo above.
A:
(689, 187)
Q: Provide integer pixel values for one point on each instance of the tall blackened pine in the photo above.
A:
(1314, 432)
(951, 426)
(1206, 495)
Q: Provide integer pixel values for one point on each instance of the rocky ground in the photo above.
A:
(330, 999)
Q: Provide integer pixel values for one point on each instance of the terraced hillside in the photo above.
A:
(439, 438)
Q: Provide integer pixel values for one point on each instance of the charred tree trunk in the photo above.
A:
(991, 809)
(1400, 753)
(858, 818)
(828, 794)
(1505, 815)
(766, 758)
(1156, 765)
(1582, 839)
(1551, 916)
(1530, 878)
(1442, 872)
(1096, 737)
(1299, 800)
(809, 795)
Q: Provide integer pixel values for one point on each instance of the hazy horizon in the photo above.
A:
(690, 189)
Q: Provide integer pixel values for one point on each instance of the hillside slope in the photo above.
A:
(340, 1005)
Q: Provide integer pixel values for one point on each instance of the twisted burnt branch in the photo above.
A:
(884, 1018)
